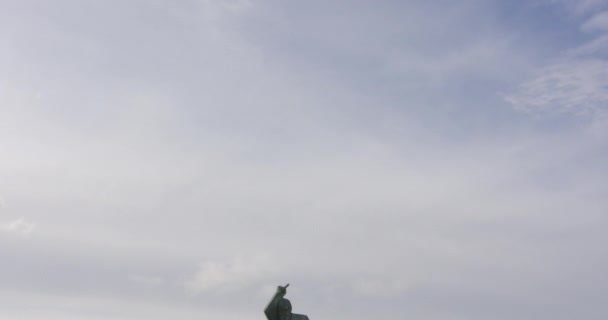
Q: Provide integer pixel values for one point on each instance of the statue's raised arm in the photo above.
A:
(272, 309)
(279, 308)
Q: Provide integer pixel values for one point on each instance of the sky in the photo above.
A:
(438, 160)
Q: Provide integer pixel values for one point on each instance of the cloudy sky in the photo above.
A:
(438, 160)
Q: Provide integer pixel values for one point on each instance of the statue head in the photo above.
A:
(282, 290)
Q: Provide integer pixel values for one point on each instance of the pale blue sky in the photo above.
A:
(411, 159)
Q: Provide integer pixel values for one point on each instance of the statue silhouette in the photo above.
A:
(279, 308)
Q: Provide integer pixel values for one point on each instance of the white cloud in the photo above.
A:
(596, 47)
(598, 22)
(577, 86)
(20, 226)
(239, 273)
(576, 83)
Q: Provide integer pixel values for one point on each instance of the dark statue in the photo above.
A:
(279, 308)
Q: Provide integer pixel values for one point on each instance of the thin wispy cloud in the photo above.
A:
(20, 226)
(598, 22)
(576, 83)
(222, 277)
(576, 86)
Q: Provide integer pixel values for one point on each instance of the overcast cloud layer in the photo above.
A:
(390, 159)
